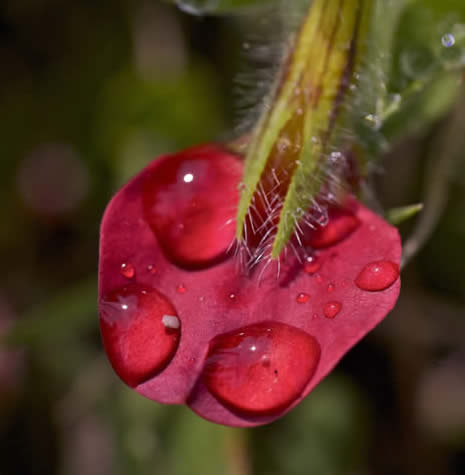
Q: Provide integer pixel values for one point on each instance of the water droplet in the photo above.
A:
(312, 265)
(331, 287)
(151, 268)
(448, 40)
(417, 62)
(189, 203)
(341, 224)
(336, 157)
(302, 298)
(373, 120)
(232, 296)
(331, 309)
(377, 276)
(262, 368)
(127, 270)
(315, 316)
(319, 279)
(137, 340)
(181, 289)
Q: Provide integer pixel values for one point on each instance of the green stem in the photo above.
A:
(305, 110)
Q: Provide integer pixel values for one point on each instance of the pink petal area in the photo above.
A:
(206, 308)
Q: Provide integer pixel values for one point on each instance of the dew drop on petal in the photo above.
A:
(302, 298)
(312, 265)
(331, 287)
(262, 368)
(377, 276)
(341, 224)
(137, 339)
(190, 202)
(331, 309)
(181, 289)
(127, 270)
(151, 268)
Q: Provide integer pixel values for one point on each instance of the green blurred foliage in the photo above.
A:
(121, 82)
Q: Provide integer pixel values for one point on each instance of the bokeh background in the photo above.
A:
(90, 92)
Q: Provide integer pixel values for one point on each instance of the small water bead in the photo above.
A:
(377, 276)
(232, 296)
(181, 289)
(373, 120)
(453, 42)
(152, 269)
(331, 287)
(138, 338)
(302, 298)
(448, 40)
(312, 265)
(190, 203)
(331, 309)
(127, 270)
(261, 368)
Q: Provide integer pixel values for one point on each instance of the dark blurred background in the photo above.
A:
(90, 92)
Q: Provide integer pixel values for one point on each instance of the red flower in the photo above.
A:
(182, 322)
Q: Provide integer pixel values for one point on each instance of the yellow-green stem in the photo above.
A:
(328, 47)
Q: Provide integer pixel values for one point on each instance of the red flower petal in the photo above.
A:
(218, 299)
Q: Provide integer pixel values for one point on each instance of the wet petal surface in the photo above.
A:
(322, 303)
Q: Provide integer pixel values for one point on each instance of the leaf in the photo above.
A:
(62, 317)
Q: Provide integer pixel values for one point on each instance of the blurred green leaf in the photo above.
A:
(325, 435)
(61, 318)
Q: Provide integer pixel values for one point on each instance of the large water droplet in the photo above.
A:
(139, 332)
(190, 203)
(377, 276)
(331, 309)
(261, 368)
(341, 224)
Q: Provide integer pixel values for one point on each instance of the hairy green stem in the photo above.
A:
(305, 110)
